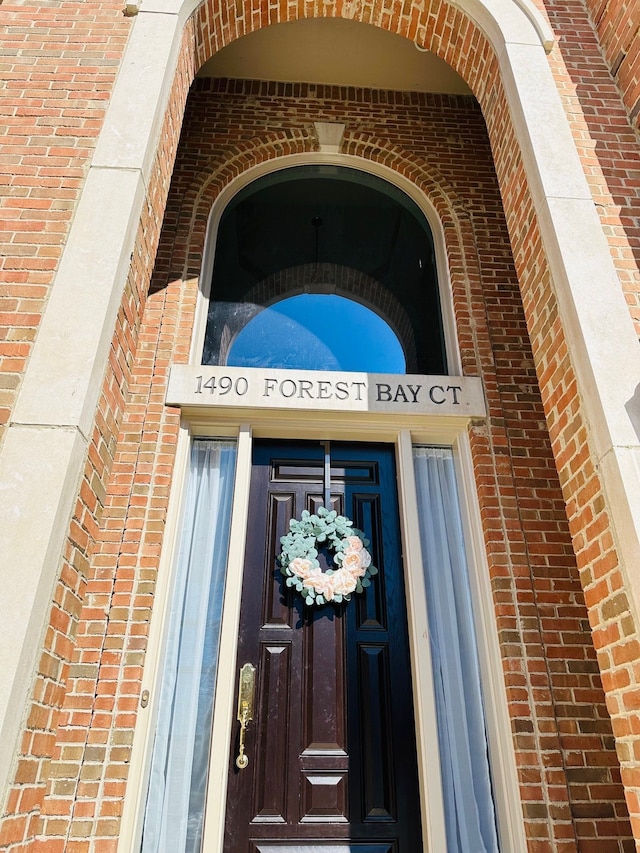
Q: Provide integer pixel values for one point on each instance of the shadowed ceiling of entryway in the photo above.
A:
(325, 50)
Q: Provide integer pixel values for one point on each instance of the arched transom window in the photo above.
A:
(328, 268)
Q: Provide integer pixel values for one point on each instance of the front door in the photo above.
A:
(331, 748)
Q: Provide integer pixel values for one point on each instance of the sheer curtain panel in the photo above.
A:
(174, 812)
(466, 781)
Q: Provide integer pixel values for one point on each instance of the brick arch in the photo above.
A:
(188, 224)
(218, 172)
(438, 26)
(198, 199)
(455, 223)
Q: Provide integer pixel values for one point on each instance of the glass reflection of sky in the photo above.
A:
(318, 332)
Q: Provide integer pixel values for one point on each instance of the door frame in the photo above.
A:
(452, 432)
(379, 629)
(244, 426)
(423, 696)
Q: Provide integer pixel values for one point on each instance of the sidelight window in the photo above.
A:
(466, 781)
(174, 811)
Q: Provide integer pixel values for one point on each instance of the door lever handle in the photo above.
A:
(246, 689)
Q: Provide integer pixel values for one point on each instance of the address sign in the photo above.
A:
(206, 386)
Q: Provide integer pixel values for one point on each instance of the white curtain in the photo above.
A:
(468, 799)
(175, 802)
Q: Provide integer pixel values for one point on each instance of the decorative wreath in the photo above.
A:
(299, 557)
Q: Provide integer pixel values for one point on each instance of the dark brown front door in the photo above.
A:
(331, 749)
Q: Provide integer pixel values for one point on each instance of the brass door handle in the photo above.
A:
(246, 689)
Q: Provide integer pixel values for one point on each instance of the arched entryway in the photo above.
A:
(551, 224)
(372, 778)
(485, 304)
(218, 174)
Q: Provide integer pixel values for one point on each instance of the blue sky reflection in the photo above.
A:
(318, 332)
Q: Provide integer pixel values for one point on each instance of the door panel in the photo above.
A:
(324, 729)
(331, 748)
(274, 678)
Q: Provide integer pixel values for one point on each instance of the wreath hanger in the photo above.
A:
(327, 474)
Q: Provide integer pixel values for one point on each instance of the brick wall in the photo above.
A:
(617, 24)
(59, 62)
(606, 141)
(568, 766)
(570, 784)
(55, 675)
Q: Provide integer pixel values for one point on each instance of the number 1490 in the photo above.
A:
(222, 385)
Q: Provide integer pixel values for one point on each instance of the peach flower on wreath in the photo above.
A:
(344, 583)
(356, 546)
(301, 567)
(354, 564)
(321, 583)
